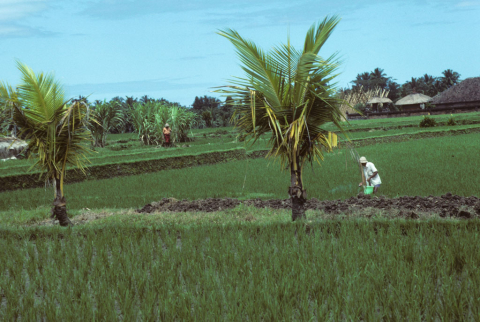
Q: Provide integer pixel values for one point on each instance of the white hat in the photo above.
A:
(363, 160)
(166, 125)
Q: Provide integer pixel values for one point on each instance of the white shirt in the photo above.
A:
(368, 170)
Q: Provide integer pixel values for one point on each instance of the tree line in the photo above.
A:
(426, 84)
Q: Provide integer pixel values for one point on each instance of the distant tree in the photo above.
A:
(378, 79)
(130, 100)
(207, 117)
(145, 99)
(118, 99)
(197, 104)
(412, 86)
(371, 80)
(430, 85)
(206, 103)
(393, 89)
(81, 98)
(449, 79)
(362, 80)
(228, 105)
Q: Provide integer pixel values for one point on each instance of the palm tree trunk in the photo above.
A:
(59, 210)
(297, 193)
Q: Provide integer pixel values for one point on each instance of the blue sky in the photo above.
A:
(170, 49)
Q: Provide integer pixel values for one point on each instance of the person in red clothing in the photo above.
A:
(166, 134)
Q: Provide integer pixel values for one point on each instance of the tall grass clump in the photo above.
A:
(150, 118)
(451, 121)
(104, 117)
(428, 122)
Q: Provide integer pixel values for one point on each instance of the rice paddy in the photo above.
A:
(247, 263)
(417, 167)
(329, 271)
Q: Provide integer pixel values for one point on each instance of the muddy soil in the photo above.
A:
(447, 205)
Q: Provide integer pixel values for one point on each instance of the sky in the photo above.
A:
(170, 48)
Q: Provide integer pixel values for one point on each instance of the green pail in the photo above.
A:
(368, 190)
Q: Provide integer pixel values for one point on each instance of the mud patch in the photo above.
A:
(447, 205)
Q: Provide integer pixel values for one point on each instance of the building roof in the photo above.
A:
(415, 98)
(383, 100)
(466, 91)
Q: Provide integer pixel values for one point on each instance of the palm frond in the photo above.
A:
(288, 95)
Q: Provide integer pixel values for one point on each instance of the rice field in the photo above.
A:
(407, 121)
(126, 148)
(363, 270)
(245, 263)
(416, 167)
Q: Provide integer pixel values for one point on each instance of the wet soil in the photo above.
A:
(447, 205)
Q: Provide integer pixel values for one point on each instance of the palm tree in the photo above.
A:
(54, 129)
(413, 85)
(449, 78)
(288, 95)
(379, 78)
(362, 80)
(430, 85)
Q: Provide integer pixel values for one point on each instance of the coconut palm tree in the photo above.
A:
(288, 95)
(379, 78)
(55, 129)
(449, 78)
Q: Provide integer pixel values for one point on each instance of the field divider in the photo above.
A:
(108, 171)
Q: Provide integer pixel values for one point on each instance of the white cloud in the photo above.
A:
(14, 16)
(13, 10)
(465, 4)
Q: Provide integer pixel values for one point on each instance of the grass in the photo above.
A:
(417, 167)
(407, 121)
(136, 152)
(331, 270)
(408, 130)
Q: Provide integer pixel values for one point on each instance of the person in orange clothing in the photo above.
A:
(166, 134)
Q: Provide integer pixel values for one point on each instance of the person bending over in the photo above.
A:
(371, 174)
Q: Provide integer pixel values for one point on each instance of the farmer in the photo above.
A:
(166, 134)
(371, 174)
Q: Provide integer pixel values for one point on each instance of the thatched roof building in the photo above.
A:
(376, 100)
(413, 101)
(467, 91)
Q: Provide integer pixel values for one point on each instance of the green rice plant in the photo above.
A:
(354, 270)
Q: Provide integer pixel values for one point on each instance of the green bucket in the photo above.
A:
(368, 190)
